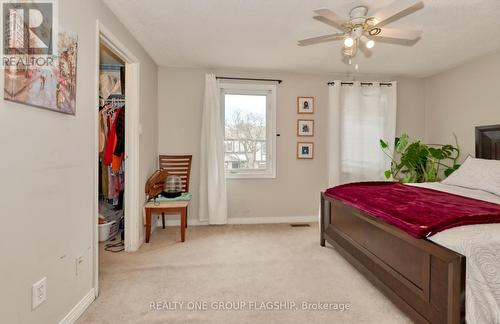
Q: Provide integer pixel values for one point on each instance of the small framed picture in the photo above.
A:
(305, 150)
(305, 127)
(305, 105)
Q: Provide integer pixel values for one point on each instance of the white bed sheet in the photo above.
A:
(480, 244)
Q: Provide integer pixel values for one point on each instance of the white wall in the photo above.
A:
(411, 111)
(295, 191)
(46, 179)
(462, 98)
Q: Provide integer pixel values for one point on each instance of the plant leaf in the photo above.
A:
(408, 179)
(419, 162)
(450, 170)
(401, 143)
(438, 154)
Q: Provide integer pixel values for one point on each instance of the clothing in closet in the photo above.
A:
(113, 130)
(112, 146)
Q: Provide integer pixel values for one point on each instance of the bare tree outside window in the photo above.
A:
(245, 132)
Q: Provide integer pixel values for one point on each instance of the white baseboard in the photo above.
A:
(244, 220)
(79, 308)
(272, 220)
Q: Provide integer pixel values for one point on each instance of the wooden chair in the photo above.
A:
(179, 165)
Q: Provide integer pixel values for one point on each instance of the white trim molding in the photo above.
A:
(133, 207)
(273, 220)
(79, 308)
(243, 220)
(268, 90)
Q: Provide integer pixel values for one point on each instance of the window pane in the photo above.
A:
(245, 128)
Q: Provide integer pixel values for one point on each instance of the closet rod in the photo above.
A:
(249, 79)
(388, 84)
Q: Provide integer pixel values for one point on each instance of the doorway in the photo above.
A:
(122, 162)
(111, 163)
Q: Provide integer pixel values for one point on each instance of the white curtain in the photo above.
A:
(213, 200)
(358, 117)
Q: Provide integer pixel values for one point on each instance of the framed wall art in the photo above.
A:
(305, 150)
(305, 127)
(51, 87)
(305, 105)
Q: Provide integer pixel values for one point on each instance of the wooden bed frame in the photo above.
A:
(424, 279)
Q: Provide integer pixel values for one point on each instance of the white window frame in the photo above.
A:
(255, 89)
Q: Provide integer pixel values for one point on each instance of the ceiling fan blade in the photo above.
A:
(328, 22)
(335, 20)
(396, 33)
(395, 8)
(321, 39)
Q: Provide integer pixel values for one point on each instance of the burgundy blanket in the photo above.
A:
(420, 212)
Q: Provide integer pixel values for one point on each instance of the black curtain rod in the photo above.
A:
(389, 84)
(250, 79)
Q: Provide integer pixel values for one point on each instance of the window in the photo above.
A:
(249, 130)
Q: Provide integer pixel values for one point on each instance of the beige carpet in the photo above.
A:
(235, 263)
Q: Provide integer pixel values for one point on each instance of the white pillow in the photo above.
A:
(477, 174)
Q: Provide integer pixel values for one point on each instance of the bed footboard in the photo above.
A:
(424, 279)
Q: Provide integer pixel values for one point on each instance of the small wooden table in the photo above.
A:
(166, 207)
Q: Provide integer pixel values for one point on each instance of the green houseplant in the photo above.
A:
(418, 162)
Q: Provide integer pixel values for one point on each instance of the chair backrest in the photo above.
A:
(179, 165)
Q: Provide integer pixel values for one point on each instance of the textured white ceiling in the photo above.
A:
(263, 34)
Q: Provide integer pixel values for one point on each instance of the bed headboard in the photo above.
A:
(488, 142)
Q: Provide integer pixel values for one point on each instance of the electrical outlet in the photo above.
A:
(39, 292)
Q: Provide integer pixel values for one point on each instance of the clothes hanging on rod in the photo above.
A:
(111, 144)
(110, 139)
(112, 133)
(120, 133)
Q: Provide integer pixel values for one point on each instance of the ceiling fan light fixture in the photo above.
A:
(348, 42)
(374, 31)
(359, 31)
(349, 52)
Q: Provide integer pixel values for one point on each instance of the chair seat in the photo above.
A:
(166, 204)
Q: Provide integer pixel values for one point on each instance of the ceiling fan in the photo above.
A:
(364, 29)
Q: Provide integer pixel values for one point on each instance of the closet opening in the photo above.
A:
(117, 220)
(111, 162)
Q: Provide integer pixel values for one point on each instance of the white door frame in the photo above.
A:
(132, 88)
